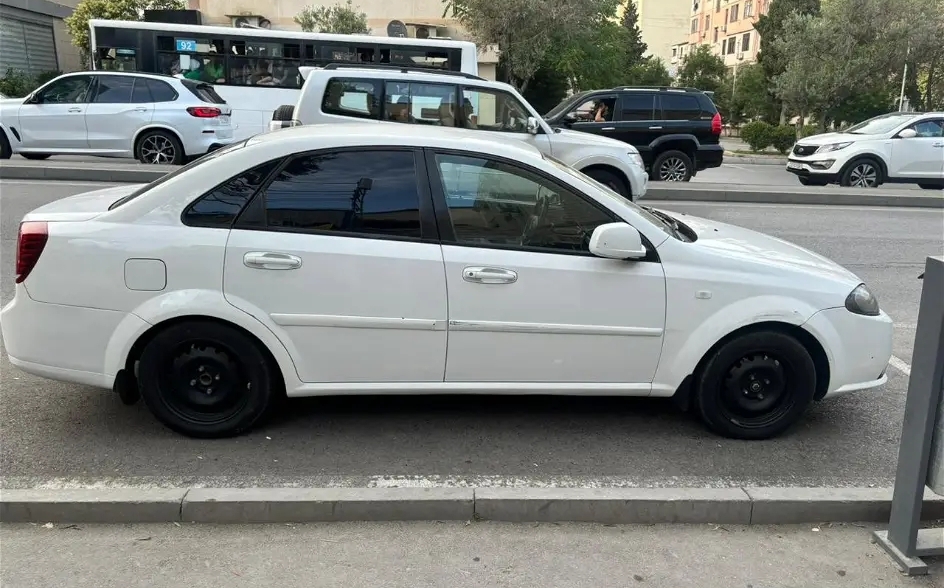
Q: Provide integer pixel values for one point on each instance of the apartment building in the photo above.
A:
(423, 18)
(659, 22)
(727, 26)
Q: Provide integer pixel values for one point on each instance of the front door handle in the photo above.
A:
(271, 261)
(76, 109)
(608, 129)
(655, 128)
(938, 145)
(489, 275)
(141, 109)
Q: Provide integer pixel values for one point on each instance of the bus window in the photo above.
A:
(337, 53)
(191, 58)
(116, 59)
(261, 63)
(419, 57)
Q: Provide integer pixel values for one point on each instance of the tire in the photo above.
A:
(611, 181)
(5, 150)
(180, 367)
(730, 387)
(159, 147)
(862, 173)
(37, 156)
(931, 186)
(284, 112)
(811, 181)
(672, 166)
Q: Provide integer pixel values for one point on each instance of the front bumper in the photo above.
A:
(822, 168)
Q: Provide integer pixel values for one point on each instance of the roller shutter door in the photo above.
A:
(26, 46)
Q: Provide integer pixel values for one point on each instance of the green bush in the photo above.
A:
(782, 138)
(757, 134)
(17, 83)
(808, 131)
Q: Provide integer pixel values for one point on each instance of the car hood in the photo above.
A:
(575, 137)
(828, 138)
(80, 207)
(741, 245)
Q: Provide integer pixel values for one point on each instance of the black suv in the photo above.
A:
(676, 130)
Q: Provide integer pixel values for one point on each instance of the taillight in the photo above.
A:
(30, 243)
(204, 111)
(716, 124)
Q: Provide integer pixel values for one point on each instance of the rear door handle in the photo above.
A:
(271, 261)
(141, 109)
(489, 275)
(655, 128)
(75, 109)
(938, 145)
(608, 129)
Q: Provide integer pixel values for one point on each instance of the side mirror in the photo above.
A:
(908, 134)
(617, 241)
(570, 118)
(533, 125)
(32, 98)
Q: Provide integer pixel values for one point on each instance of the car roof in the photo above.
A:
(136, 74)
(322, 136)
(368, 72)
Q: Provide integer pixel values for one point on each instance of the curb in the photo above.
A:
(127, 173)
(735, 506)
(752, 160)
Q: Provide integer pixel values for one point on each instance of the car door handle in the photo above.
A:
(141, 109)
(272, 261)
(489, 275)
(938, 145)
(75, 109)
(655, 128)
(608, 129)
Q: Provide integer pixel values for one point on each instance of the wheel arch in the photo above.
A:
(627, 184)
(883, 167)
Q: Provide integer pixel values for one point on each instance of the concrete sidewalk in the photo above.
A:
(454, 555)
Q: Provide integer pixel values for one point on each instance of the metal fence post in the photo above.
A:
(922, 435)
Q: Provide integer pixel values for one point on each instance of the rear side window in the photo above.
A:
(637, 107)
(350, 97)
(204, 92)
(140, 94)
(680, 107)
(113, 90)
(220, 207)
(355, 192)
(161, 91)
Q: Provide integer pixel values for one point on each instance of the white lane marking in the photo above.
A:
(902, 366)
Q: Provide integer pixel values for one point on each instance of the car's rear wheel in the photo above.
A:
(284, 113)
(862, 173)
(206, 379)
(672, 166)
(611, 181)
(159, 147)
(755, 386)
(36, 155)
(931, 186)
(5, 150)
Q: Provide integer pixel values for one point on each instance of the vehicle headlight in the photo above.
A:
(862, 301)
(833, 147)
(636, 158)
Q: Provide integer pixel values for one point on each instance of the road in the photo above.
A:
(57, 434)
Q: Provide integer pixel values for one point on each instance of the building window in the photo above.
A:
(717, 5)
(695, 6)
(694, 25)
(674, 51)
(724, 46)
(716, 35)
(734, 13)
(749, 9)
(732, 44)
(746, 42)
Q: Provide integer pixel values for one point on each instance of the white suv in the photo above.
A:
(901, 147)
(358, 92)
(153, 118)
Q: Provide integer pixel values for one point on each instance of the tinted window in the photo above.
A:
(491, 110)
(637, 106)
(493, 203)
(113, 90)
(425, 104)
(204, 92)
(677, 107)
(221, 206)
(140, 93)
(161, 91)
(347, 97)
(70, 90)
(372, 192)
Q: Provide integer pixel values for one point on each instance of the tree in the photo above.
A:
(702, 69)
(547, 88)
(770, 27)
(744, 94)
(527, 32)
(635, 47)
(343, 19)
(650, 71)
(596, 58)
(78, 22)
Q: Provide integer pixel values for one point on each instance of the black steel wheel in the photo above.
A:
(756, 386)
(205, 379)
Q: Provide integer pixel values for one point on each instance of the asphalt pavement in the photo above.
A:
(419, 555)
(61, 435)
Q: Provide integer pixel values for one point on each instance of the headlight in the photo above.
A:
(833, 147)
(861, 301)
(636, 158)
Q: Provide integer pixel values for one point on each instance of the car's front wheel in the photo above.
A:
(206, 379)
(159, 147)
(755, 386)
(672, 166)
(811, 181)
(5, 150)
(611, 181)
(862, 173)
(931, 186)
(36, 156)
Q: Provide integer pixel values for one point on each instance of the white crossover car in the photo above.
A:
(152, 118)
(901, 148)
(386, 259)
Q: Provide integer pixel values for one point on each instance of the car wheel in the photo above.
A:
(159, 147)
(284, 113)
(931, 186)
(36, 155)
(672, 166)
(811, 182)
(5, 150)
(611, 181)
(862, 173)
(755, 386)
(205, 379)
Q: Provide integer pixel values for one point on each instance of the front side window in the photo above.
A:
(70, 90)
(493, 110)
(113, 90)
(349, 97)
(353, 192)
(425, 104)
(492, 203)
(596, 109)
(220, 207)
(930, 129)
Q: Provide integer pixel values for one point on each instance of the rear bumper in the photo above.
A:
(709, 156)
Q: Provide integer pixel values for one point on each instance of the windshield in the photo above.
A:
(564, 105)
(880, 124)
(608, 192)
(208, 157)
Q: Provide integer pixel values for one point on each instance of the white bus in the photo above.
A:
(256, 70)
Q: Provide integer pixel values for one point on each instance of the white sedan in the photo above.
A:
(367, 259)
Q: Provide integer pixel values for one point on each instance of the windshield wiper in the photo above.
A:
(668, 220)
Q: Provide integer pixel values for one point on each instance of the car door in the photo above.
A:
(920, 157)
(637, 122)
(116, 112)
(53, 118)
(340, 252)
(528, 303)
(500, 114)
(595, 115)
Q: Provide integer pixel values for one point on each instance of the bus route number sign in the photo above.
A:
(186, 45)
